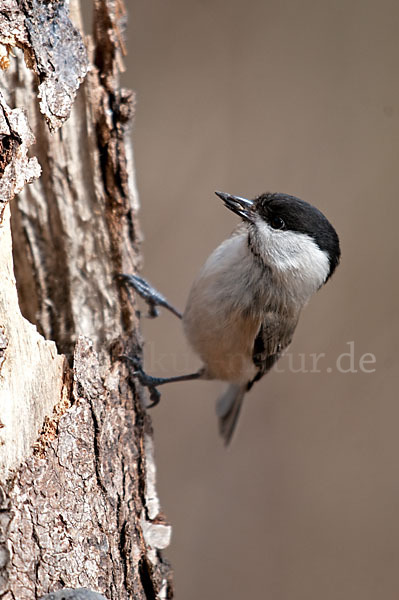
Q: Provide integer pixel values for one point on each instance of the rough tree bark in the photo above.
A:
(78, 504)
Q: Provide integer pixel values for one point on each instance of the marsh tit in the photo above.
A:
(245, 303)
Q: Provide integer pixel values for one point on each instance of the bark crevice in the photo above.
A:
(80, 508)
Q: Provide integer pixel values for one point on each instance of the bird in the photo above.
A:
(244, 304)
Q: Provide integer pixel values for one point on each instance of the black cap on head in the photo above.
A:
(289, 213)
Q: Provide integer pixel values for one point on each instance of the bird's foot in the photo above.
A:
(150, 295)
(145, 379)
(152, 383)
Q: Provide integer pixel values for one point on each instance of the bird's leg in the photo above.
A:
(152, 383)
(150, 295)
(153, 298)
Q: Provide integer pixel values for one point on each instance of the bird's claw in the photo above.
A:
(146, 380)
(150, 295)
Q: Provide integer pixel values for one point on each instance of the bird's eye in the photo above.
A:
(277, 222)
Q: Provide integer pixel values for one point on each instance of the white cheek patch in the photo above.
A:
(292, 251)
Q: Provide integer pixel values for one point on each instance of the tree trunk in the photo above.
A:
(78, 504)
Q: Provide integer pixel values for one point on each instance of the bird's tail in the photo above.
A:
(228, 409)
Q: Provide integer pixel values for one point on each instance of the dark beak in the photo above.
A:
(242, 207)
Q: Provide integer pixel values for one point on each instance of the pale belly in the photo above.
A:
(216, 320)
(225, 343)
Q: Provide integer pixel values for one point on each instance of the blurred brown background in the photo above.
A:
(299, 97)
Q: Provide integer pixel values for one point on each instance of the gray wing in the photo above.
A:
(274, 336)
